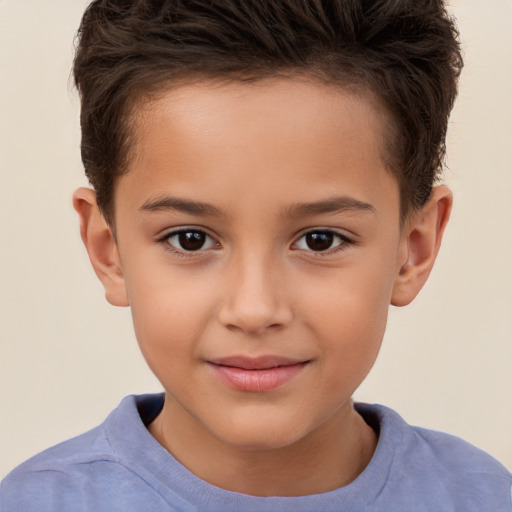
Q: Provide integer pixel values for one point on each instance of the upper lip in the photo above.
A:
(256, 363)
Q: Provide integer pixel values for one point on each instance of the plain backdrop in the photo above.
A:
(67, 357)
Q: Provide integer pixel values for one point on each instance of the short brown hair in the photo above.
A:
(405, 51)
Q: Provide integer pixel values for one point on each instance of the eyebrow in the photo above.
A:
(331, 205)
(181, 205)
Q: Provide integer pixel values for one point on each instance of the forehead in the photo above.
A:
(273, 136)
(238, 105)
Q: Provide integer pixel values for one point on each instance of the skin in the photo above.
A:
(253, 152)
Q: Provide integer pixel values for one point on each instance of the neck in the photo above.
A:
(331, 456)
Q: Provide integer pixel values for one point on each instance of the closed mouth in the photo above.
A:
(257, 375)
(256, 363)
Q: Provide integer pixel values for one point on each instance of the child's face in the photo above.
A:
(258, 222)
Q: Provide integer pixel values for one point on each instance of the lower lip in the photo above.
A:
(257, 381)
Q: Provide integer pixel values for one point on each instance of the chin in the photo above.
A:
(261, 433)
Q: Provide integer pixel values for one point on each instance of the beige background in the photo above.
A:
(67, 357)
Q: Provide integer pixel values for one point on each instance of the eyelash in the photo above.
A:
(182, 253)
(344, 242)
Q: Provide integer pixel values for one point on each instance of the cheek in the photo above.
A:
(350, 335)
(348, 314)
(170, 316)
(350, 300)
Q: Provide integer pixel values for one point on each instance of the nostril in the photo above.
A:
(253, 327)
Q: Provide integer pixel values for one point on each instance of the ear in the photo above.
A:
(421, 241)
(101, 246)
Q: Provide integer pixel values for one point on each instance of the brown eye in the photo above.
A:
(321, 241)
(190, 240)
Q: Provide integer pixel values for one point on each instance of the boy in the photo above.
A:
(263, 189)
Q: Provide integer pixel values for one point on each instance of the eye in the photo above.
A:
(321, 241)
(190, 240)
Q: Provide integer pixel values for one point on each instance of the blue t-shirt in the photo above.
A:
(119, 466)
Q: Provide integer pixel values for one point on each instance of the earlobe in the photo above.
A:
(420, 244)
(101, 246)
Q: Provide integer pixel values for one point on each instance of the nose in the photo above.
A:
(255, 300)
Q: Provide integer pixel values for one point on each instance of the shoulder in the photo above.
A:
(454, 453)
(468, 474)
(73, 474)
(56, 473)
(431, 462)
(53, 475)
